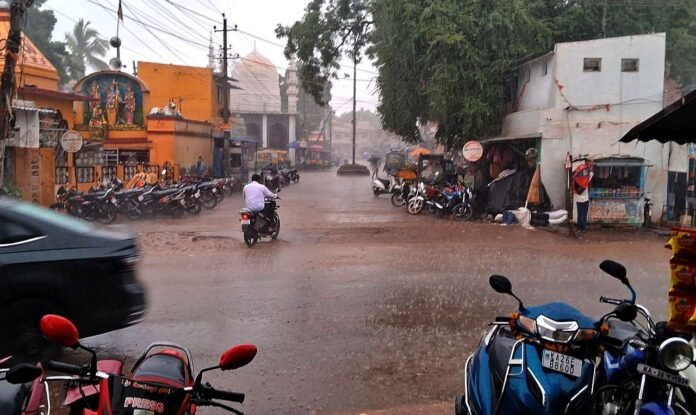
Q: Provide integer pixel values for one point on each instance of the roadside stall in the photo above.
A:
(242, 157)
(617, 191)
(277, 158)
(317, 158)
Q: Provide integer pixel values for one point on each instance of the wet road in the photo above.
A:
(359, 307)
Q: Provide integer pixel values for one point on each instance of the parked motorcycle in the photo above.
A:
(294, 175)
(539, 360)
(162, 380)
(642, 361)
(401, 197)
(264, 224)
(21, 390)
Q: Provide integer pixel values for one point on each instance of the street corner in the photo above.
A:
(443, 408)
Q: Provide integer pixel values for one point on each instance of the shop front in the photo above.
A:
(242, 158)
(617, 191)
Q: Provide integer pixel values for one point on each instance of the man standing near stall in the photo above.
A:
(581, 184)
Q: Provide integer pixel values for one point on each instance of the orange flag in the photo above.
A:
(534, 194)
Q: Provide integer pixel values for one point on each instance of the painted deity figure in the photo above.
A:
(94, 96)
(130, 105)
(96, 123)
(113, 99)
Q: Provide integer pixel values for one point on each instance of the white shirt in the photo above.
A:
(255, 195)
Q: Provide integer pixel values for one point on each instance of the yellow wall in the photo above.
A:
(193, 85)
(188, 149)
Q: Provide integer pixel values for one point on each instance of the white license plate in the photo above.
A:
(662, 375)
(245, 221)
(561, 363)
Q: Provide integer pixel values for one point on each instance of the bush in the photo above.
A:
(10, 189)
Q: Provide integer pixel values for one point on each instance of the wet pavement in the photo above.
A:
(359, 307)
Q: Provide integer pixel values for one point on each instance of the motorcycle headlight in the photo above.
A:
(675, 354)
(556, 331)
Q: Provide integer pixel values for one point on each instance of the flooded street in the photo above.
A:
(358, 306)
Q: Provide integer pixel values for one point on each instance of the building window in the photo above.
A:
(545, 69)
(629, 65)
(592, 65)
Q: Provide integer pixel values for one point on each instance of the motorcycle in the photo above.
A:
(161, 381)
(401, 197)
(642, 361)
(539, 360)
(426, 195)
(294, 175)
(456, 201)
(100, 206)
(382, 186)
(263, 224)
(22, 392)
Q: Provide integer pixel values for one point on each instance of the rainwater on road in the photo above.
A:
(359, 307)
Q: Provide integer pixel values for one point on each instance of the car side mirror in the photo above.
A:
(23, 373)
(60, 330)
(238, 356)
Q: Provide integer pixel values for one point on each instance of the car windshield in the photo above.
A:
(46, 215)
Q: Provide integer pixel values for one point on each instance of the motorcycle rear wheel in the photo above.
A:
(250, 239)
(208, 199)
(463, 212)
(397, 200)
(194, 207)
(177, 211)
(376, 192)
(296, 179)
(276, 232)
(220, 196)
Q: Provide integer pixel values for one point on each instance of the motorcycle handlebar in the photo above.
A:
(64, 368)
(228, 396)
(613, 301)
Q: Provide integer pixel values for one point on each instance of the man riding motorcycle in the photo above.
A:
(255, 195)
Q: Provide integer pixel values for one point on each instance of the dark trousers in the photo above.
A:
(583, 208)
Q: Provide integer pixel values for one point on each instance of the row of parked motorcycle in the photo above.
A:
(189, 195)
(435, 196)
(544, 359)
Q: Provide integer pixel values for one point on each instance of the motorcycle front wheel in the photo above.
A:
(463, 212)
(397, 200)
(415, 206)
(208, 199)
(220, 196)
(296, 179)
(194, 207)
(107, 213)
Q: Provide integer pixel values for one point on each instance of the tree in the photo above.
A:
(329, 30)
(39, 28)
(85, 46)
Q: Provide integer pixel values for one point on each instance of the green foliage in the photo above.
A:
(10, 189)
(329, 30)
(39, 28)
(85, 46)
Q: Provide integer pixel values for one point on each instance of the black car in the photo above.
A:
(54, 264)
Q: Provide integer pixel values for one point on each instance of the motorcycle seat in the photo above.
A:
(165, 192)
(12, 398)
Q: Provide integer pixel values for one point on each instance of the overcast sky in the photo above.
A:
(180, 36)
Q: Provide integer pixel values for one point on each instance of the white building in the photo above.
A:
(582, 98)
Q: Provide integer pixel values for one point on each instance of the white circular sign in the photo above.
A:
(472, 151)
(71, 141)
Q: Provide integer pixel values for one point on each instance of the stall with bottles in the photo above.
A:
(617, 191)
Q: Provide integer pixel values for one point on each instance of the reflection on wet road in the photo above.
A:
(358, 306)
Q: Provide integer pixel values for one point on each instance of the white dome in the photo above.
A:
(258, 80)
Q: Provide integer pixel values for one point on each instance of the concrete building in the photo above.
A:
(581, 98)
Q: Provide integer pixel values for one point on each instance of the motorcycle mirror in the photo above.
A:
(626, 312)
(59, 330)
(503, 285)
(164, 172)
(238, 356)
(616, 270)
(500, 284)
(23, 373)
(277, 190)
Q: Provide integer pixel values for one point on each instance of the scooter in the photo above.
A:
(642, 361)
(161, 382)
(539, 360)
(382, 186)
(264, 224)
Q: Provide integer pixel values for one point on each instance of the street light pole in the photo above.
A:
(355, 83)
(226, 96)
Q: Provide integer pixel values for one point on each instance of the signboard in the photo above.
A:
(71, 141)
(472, 151)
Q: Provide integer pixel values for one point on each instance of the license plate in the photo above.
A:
(245, 222)
(662, 375)
(561, 363)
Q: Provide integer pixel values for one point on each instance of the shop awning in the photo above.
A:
(511, 138)
(675, 123)
(244, 140)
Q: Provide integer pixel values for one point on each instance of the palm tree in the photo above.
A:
(85, 46)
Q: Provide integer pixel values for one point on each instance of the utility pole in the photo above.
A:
(18, 10)
(226, 96)
(604, 19)
(355, 86)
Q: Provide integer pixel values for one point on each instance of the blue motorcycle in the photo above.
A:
(539, 360)
(642, 361)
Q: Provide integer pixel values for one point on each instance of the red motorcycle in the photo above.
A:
(161, 382)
